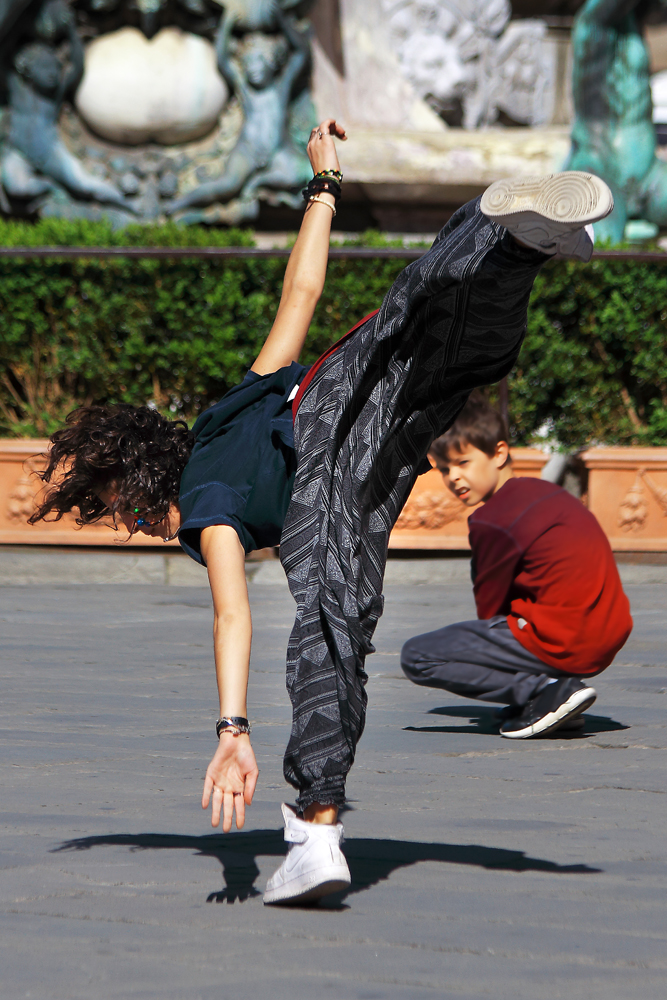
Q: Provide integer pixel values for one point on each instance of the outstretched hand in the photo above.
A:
(321, 148)
(230, 781)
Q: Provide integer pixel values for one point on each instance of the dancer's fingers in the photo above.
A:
(216, 806)
(323, 136)
(331, 127)
(227, 811)
(206, 794)
(239, 805)
(321, 151)
(250, 783)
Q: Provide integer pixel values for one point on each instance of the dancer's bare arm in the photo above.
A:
(307, 267)
(232, 774)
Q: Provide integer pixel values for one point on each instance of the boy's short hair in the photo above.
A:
(478, 424)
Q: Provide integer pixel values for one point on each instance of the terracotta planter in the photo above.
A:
(627, 492)
(19, 460)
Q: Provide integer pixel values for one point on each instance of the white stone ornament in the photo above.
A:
(166, 90)
(466, 53)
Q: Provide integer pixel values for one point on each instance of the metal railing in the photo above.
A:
(335, 253)
(177, 253)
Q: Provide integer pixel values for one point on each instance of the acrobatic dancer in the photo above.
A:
(329, 491)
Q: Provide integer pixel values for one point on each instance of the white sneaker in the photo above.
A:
(553, 213)
(314, 867)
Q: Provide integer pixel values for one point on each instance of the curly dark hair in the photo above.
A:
(132, 449)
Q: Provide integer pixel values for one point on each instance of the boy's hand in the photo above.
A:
(321, 148)
(230, 780)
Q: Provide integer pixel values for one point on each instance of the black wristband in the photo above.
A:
(319, 185)
(236, 723)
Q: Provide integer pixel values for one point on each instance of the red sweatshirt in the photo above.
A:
(542, 559)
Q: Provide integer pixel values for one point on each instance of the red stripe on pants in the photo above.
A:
(310, 374)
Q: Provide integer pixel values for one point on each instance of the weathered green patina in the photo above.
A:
(613, 134)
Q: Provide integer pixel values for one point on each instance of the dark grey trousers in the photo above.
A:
(452, 320)
(478, 659)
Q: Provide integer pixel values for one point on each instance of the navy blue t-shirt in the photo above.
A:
(243, 464)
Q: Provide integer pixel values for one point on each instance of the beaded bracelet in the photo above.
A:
(336, 174)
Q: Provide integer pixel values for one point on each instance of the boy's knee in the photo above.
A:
(412, 660)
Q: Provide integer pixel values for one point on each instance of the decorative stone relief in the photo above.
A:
(658, 492)
(21, 500)
(139, 108)
(431, 511)
(633, 509)
(130, 94)
(471, 64)
(43, 67)
(261, 69)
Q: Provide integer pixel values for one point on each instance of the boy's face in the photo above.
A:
(473, 476)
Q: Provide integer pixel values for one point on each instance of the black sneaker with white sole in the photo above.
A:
(572, 724)
(552, 708)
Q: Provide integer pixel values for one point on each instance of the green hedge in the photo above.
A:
(179, 333)
(593, 367)
(175, 333)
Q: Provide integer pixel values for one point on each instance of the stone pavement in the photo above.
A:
(481, 868)
(28, 565)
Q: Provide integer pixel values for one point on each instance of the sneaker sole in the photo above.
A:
(573, 724)
(305, 890)
(574, 706)
(572, 199)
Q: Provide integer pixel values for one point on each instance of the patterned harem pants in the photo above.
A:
(452, 320)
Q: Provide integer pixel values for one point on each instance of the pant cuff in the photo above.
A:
(327, 791)
(525, 255)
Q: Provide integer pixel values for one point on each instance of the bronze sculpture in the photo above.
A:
(54, 162)
(262, 79)
(35, 156)
(613, 134)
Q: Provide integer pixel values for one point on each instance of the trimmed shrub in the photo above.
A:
(178, 334)
(592, 367)
(175, 333)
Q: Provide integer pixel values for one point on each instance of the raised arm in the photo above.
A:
(225, 64)
(232, 774)
(307, 266)
(75, 71)
(300, 42)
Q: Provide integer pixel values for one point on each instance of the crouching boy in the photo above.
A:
(550, 605)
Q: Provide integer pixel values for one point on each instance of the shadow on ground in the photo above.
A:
(486, 723)
(371, 861)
